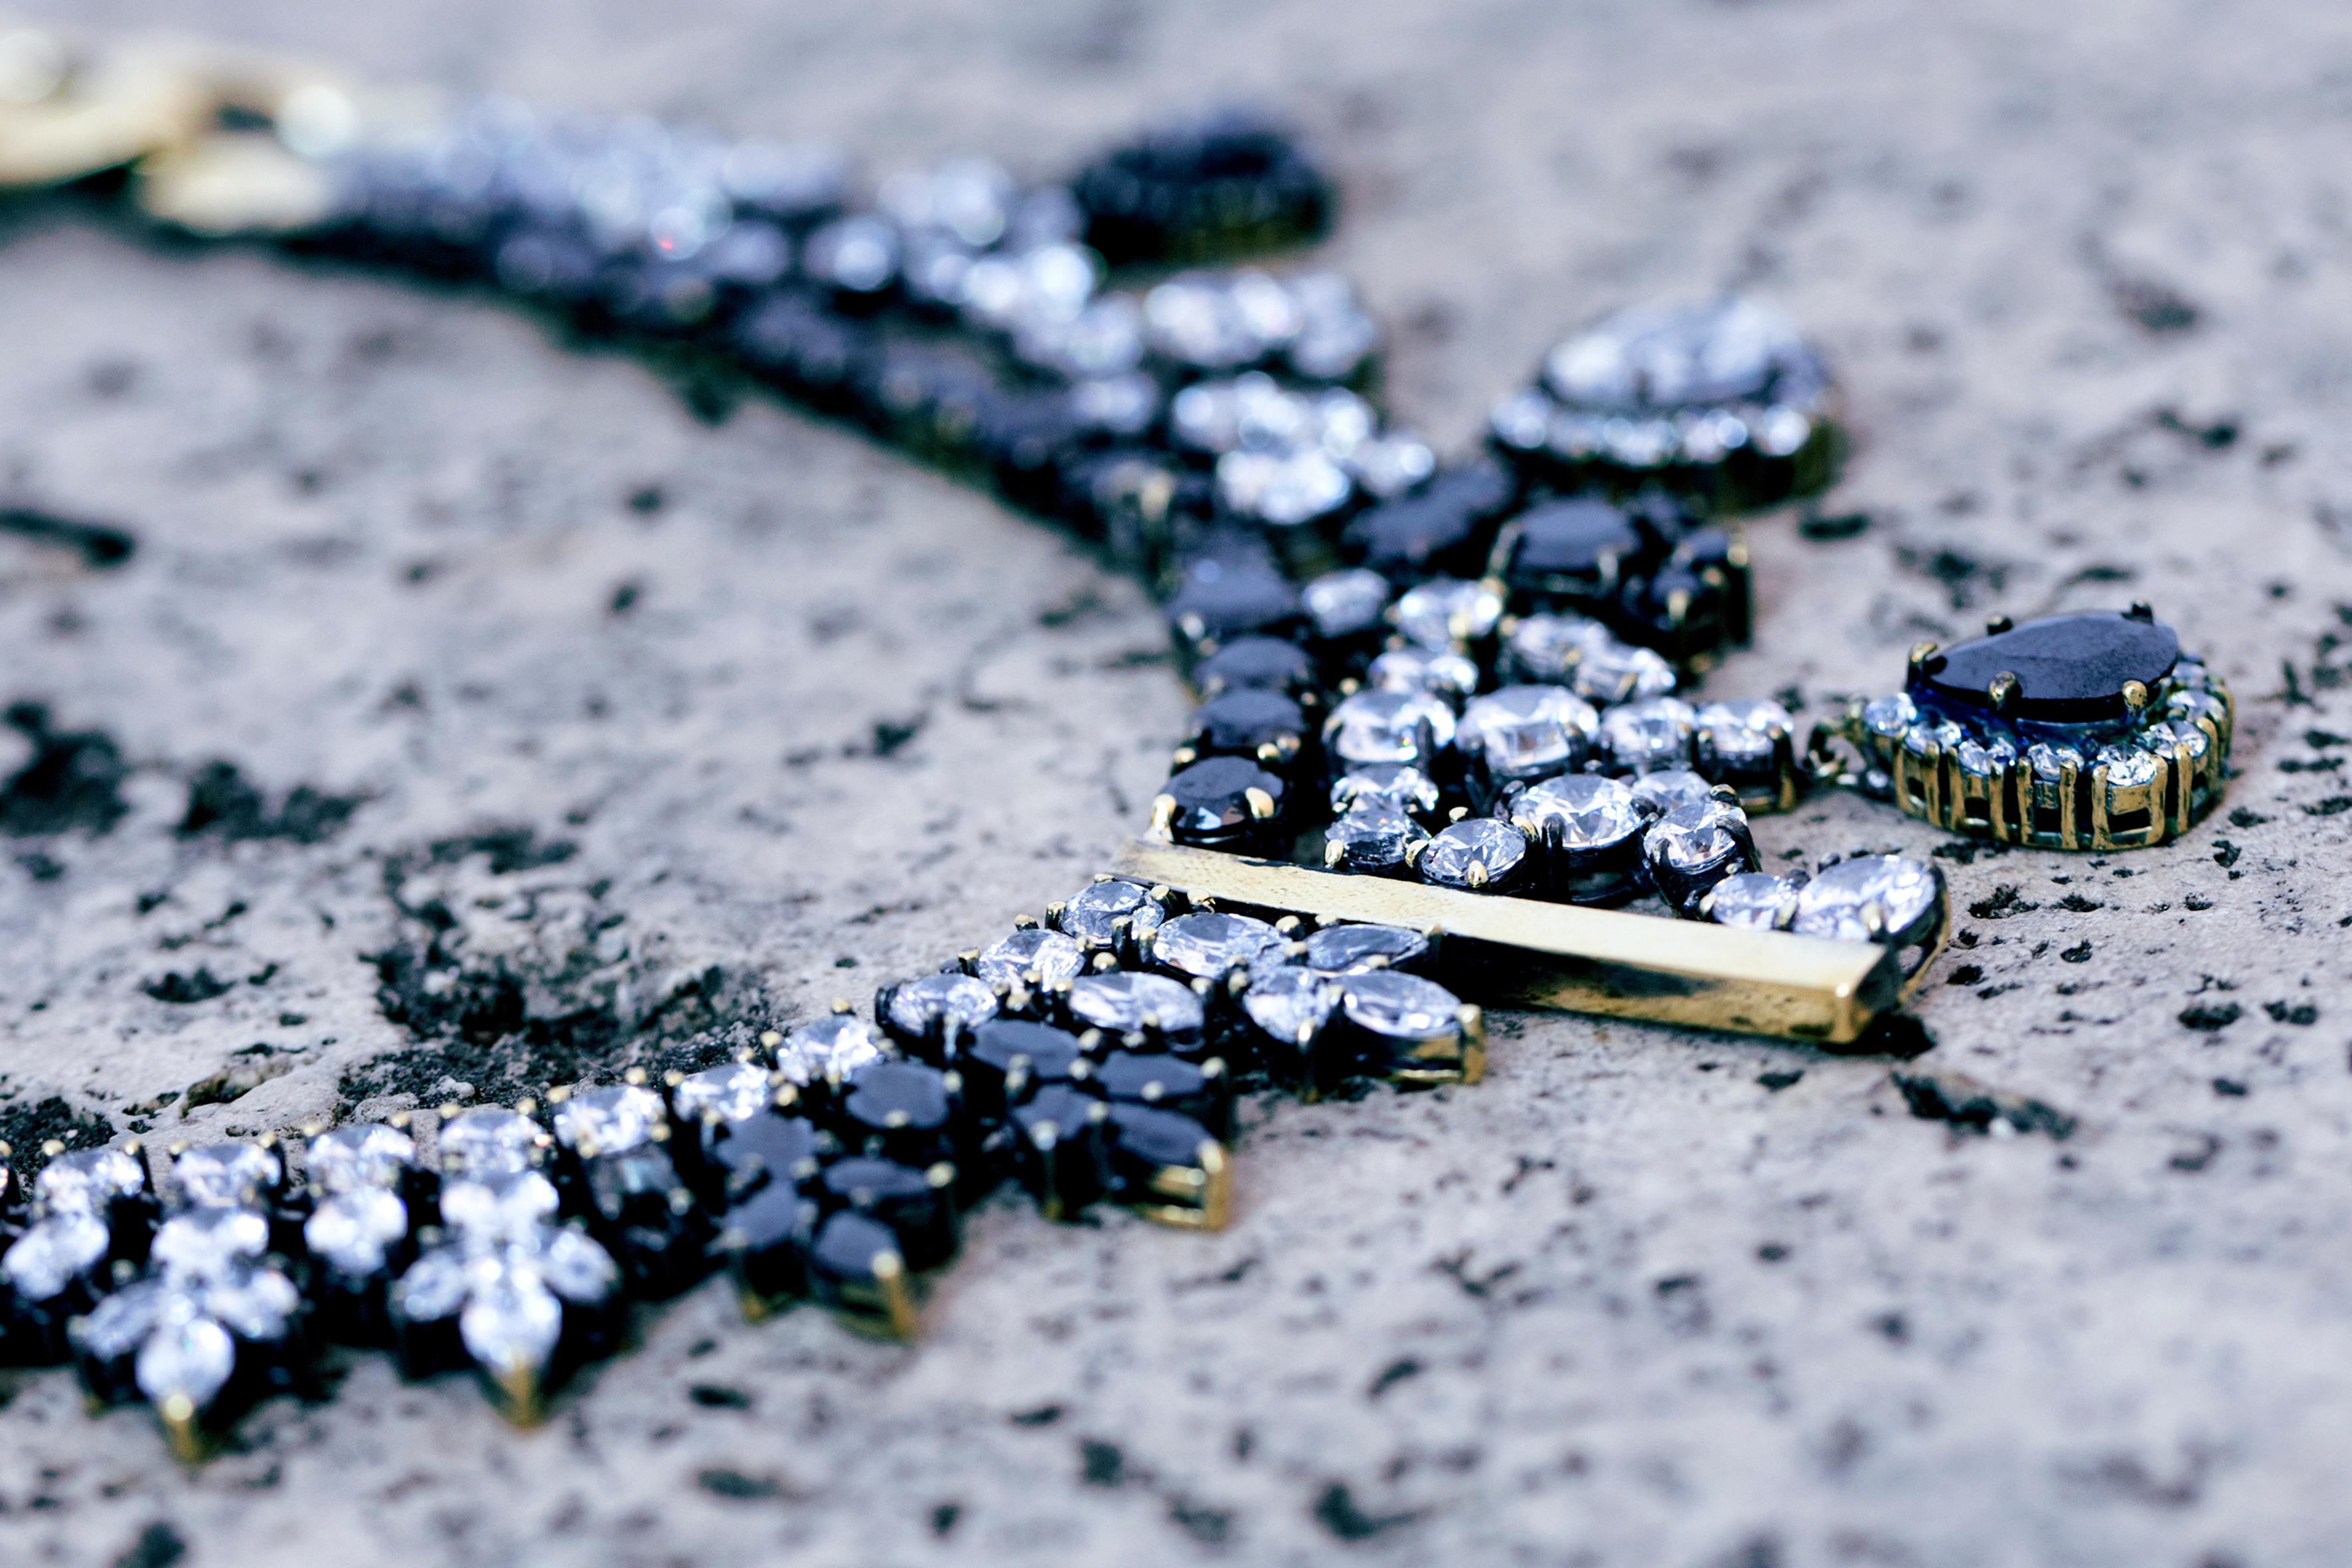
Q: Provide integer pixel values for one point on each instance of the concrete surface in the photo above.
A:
(1642, 1298)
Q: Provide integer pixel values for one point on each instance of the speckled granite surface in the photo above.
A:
(809, 719)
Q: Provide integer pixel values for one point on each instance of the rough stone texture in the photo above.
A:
(711, 722)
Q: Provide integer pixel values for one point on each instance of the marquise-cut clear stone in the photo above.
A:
(1430, 672)
(833, 1046)
(1652, 734)
(353, 1230)
(1889, 716)
(1208, 946)
(369, 1155)
(2049, 759)
(52, 1254)
(1618, 672)
(1870, 898)
(222, 1176)
(1988, 757)
(86, 1181)
(257, 1303)
(511, 1323)
(497, 1210)
(1091, 917)
(574, 1266)
(187, 1358)
(2177, 732)
(1388, 784)
(1345, 603)
(1695, 839)
(1667, 355)
(1445, 611)
(1757, 899)
(205, 1242)
(609, 1119)
(1119, 1004)
(1396, 727)
(1473, 853)
(488, 1139)
(1740, 733)
(434, 1286)
(1359, 949)
(1924, 739)
(727, 1093)
(1524, 732)
(1053, 958)
(955, 1003)
(1578, 811)
(1290, 1004)
(1400, 1006)
(117, 1325)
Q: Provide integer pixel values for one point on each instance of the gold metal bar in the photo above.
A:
(1528, 953)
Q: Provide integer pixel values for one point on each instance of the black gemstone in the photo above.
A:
(1010, 1057)
(1574, 548)
(813, 353)
(1256, 664)
(1149, 1145)
(2069, 668)
(1213, 805)
(1443, 528)
(765, 1149)
(647, 1220)
(919, 1208)
(766, 1238)
(1239, 722)
(1058, 1150)
(1201, 1091)
(903, 1110)
(856, 1270)
(1219, 603)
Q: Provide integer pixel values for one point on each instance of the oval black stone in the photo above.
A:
(1256, 664)
(919, 1211)
(764, 1149)
(1212, 800)
(889, 1096)
(1569, 544)
(1239, 722)
(848, 1245)
(1164, 1082)
(1144, 1141)
(1008, 1057)
(768, 1237)
(1216, 605)
(2069, 668)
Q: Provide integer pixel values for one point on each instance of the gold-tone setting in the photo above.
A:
(1198, 1196)
(1581, 959)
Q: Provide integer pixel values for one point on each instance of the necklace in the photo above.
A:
(1441, 742)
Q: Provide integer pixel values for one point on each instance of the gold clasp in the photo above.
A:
(70, 109)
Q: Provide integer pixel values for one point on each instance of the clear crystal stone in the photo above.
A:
(832, 1047)
(369, 1155)
(1578, 811)
(434, 1286)
(1359, 949)
(52, 1254)
(1757, 899)
(609, 1119)
(1987, 757)
(221, 1176)
(1665, 355)
(1696, 838)
(1345, 603)
(1393, 726)
(1340, 422)
(1122, 1003)
(1782, 432)
(1049, 955)
(2126, 768)
(488, 1139)
(1655, 733)
(727, 1093)
(1430, 672)
(2174, 732)
(1614, 672)
(1370, 836)
(189, 1358)
(1522, 421)
(955, 1003)
(1445, 611)
(2049, 759)
(1866, 899)
(1740, 733)
(1282, 489)
(1669, 788)
(1523, 732)
(353, 1230)
(1473, 853)
(1889, 716)
(205, 1242)
(1924, 739)
(1388, 784)
(86, 1181)
(1400, 1006)
(1091, 917)
(2193, 705)
(510, 1322)
(117, 1325)
(1289, 1003)
(257, 1303)
(1391, 465)
(574, 1266)
(1550, 647)
(497, 1210)
(1209, 946)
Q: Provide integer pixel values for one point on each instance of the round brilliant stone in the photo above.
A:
(1429, 672)
(1523, 731)
(1391, 465)
(1696, 838)
(2193, 705)
(1090, 918)
(1476, 853)
(1049, 955)
(1988, 757)
(574, 1266)
(2048, 758)
(1578, 811)
(1868, 898)
(186, 1358)
(256, 1303)
(1616, 672)
(1782, 432)
(2178, 731)
(205, 1242)
(2126, 768)
(368, 1155)
(1370, 836)
(489, 1140)
(1522, 422)
(1670, 355)
(434, 1286)
(1923, 738)
(950, 1005)
(1290, 1004)
(727, 1094)
(1282, 489)
(226, 1174)
(1209, 946)
(1550, 647)
(1756, 899)
(1740, 733)
(834, 1046)
(1388, 784)
(1655, 733)
(1446, 611)
(1401, 728)
(117, 1325)
(1345, 603)
(1399, 1006)
(86, 1181)
(1122, 1003)
(1890, 716)
(608, 1119)
(52, 1254)
(1359, 949)
(1670, 788)
(353, 1231)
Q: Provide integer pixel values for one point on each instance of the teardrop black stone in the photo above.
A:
(2069, 668)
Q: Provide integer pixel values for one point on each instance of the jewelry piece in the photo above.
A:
(2084, 732)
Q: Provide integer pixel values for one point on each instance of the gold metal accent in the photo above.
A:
(1581, 959)
(2002, 689)
(1996, 624)
(1199, 1197)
